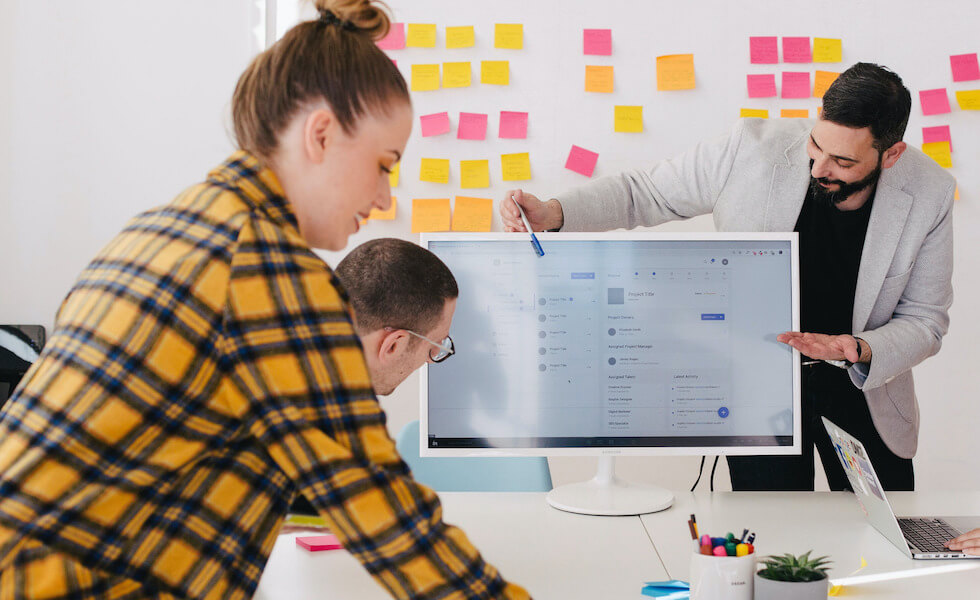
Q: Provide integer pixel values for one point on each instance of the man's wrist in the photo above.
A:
(557, 219)
(864, 350)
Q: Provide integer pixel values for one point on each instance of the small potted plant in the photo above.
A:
(789, 577)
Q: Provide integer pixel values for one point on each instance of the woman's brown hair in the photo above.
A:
(333, 58)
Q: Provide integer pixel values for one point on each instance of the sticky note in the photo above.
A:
(472, 126)
(822, 81)
(421, 35)
(495, 72)
(474, 174)
(456, 74)
(435, 124)
(675, 72)
(794, 113)
(393, 176)
(628, 119)
(395, 40)
(934, 102)
(939, 133)
(598, 78)
(384, 215)
(425, 78)
(581, 160)
(939, 152)
(513, 125)
(761, 86)
(430, 214)
(435, 170)
(797, 50)
(472, 214)
(968, 99)
(460, 37)
(515, 167)
(597, 42)
(509, 36)
(316, 543)
(965, 67)
(827, 50)
(763, 50)
(796, 84)
(760, 113)
(956, 193)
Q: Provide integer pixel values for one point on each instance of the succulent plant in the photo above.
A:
(794, 568)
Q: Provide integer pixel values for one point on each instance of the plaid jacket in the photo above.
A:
(203, 370)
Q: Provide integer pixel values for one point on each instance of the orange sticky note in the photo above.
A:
(939, 152)
(435, 170)
(393, 176)
(421, 35)
(383, 215)
(495, 72)
(598, 78)
(474, 174)
(456, 74)
(760, 113)
(675, 72)
(460, 37)
(827, 50)
(628, 119)
(509, 36)
(430, 214)
(822, 81)
(794, 113)
(968, 99)
(472, 214)
(956, 193)
(516, 167)
(425, 78)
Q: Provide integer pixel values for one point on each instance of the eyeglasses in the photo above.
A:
(446, 348)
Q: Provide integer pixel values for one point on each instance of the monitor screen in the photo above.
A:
(639, 342)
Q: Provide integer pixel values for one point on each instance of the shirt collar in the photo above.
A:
(243, 174)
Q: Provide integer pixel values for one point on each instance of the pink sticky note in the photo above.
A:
(796, 85)
(762, 86)
(934, 102)
(316, 543)
(939, 133)
(797, 50)
(435, 124)
(597, 42)
(472, 126)
(965, 67)
(513, 125)
(395, 40)
(581, 160)
(763, 50)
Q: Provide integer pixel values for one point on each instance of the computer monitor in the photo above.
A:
(616, 344)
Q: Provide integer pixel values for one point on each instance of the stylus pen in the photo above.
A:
(534, 239)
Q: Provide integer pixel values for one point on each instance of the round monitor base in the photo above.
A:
(616, 499)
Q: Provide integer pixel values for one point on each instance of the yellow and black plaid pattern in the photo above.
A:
(203, 370)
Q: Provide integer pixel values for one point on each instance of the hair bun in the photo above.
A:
(370, 17)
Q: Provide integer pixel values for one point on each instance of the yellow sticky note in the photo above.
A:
(794, 113)
(939, 152)
(968, 99)
(516, 167)
(460, 37)
(827, 50)
(836, 589)
(629, 119)
(598, 78)
(435, 170)
(754, 112)
(393, 176)
(472, 214)
(509, 36)
(383, 215)
(495, 72)
(822, 81)
(956, 193)
(675, 72)
(421, 35)
(474, 173)
(430, 214)
(425, 78)
(456, 74)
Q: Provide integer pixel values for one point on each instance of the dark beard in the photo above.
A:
(845, 190)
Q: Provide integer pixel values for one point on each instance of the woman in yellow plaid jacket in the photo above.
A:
(204, 368)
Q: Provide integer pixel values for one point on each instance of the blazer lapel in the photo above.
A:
(787, 190)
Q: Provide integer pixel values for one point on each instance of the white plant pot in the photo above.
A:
(767, 589)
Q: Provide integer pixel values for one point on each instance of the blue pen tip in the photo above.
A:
(537, 245)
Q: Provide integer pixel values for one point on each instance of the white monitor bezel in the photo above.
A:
(544, 237)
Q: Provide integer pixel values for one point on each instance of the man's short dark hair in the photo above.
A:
(869, 95)
(394, 283)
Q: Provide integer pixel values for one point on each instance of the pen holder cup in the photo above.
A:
(722, 577)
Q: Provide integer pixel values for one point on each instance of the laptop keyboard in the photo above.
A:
(927, 535)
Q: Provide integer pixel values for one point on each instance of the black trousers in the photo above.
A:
(827, 391)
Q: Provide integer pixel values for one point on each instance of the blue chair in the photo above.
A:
(469, 474)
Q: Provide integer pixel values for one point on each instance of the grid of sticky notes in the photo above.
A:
(937, 141)
(791, 82)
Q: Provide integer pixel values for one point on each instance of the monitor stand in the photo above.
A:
(607, 495)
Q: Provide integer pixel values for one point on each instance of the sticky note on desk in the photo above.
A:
(761, 86)
(383, 215)
(939, 133)
(430, 214)
(597, 42)
(509, 36)
(495, 72)
(472, 214)
(675, 72)
(581, 161)
(395, 40)
(421, 35)
(939, 152)
(516, 167)
(434, 170)
(827, 50)
(822, 81)
(472, 126)
(797, 50)
(435, 124)
(934, 102)
(628, 119)
(393, 176)
(317, 543)
(474, 174)
(460, 37)
(965, 67)
(796, 84)
(599, 78)
(513, 125)
(456, 74)
(968, 99)
(425, 78)
(763, 50)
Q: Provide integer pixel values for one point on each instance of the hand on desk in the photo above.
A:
(820, 346)
(969, 543)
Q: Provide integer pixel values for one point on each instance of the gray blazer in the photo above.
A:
(755, 179)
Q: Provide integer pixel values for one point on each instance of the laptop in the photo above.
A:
(918, 537)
